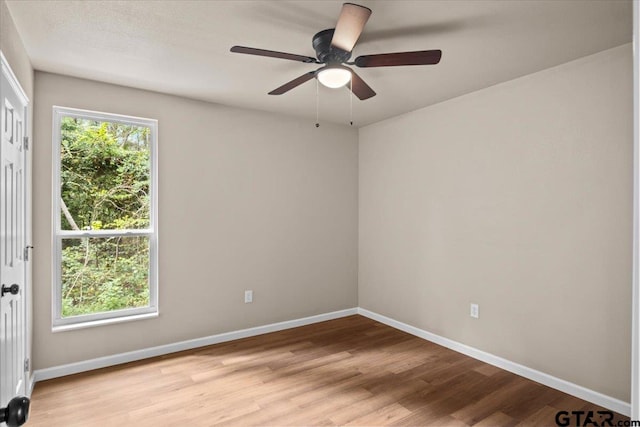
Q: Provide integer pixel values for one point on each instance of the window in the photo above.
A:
(105, 218)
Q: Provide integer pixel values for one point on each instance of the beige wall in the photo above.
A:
(519, 198)
(13, 49)
(247, 200)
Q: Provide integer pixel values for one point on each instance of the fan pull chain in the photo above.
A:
(351, 102)
(317, 104)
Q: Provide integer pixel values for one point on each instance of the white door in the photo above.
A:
(12, 239)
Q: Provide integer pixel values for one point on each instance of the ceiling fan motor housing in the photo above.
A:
(325, 53)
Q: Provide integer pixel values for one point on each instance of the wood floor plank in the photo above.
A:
(540, 417)
(494, 401)
(497, 419)
(385, 415)
(436, 411)
(349, 371)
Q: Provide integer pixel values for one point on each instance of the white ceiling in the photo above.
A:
(182, 47)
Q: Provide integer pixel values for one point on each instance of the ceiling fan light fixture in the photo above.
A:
(334, 77)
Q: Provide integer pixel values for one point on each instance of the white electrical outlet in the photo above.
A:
(248, 296)
(475, 311)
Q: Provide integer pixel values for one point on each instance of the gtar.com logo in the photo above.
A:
(584, 418)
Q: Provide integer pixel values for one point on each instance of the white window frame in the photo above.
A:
(87, 320)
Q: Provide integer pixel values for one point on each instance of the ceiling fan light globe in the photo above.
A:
(334, 77)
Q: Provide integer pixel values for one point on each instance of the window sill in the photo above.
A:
(103, 322)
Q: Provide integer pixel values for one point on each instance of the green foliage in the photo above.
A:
(105, 174)
(105, 186)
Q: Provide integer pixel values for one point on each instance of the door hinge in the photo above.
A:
(26, 142)
(26, 365)
(26, 252)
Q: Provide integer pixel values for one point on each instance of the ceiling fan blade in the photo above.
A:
(350, 26)
(420, 57)
(273, 54)
(293, 83)
(359, 87)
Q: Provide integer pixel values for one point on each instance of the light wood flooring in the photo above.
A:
(350, 371)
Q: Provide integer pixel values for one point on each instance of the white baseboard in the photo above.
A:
(532, 374)
(116, 359)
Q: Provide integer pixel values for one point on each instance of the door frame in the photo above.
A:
(27, 218)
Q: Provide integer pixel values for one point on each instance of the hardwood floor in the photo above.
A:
(350, 371)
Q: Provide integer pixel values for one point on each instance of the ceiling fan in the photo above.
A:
(333, 49)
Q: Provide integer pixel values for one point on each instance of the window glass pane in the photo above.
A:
(104, 274)
(105, 175)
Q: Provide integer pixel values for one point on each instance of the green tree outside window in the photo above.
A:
(105, 183)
